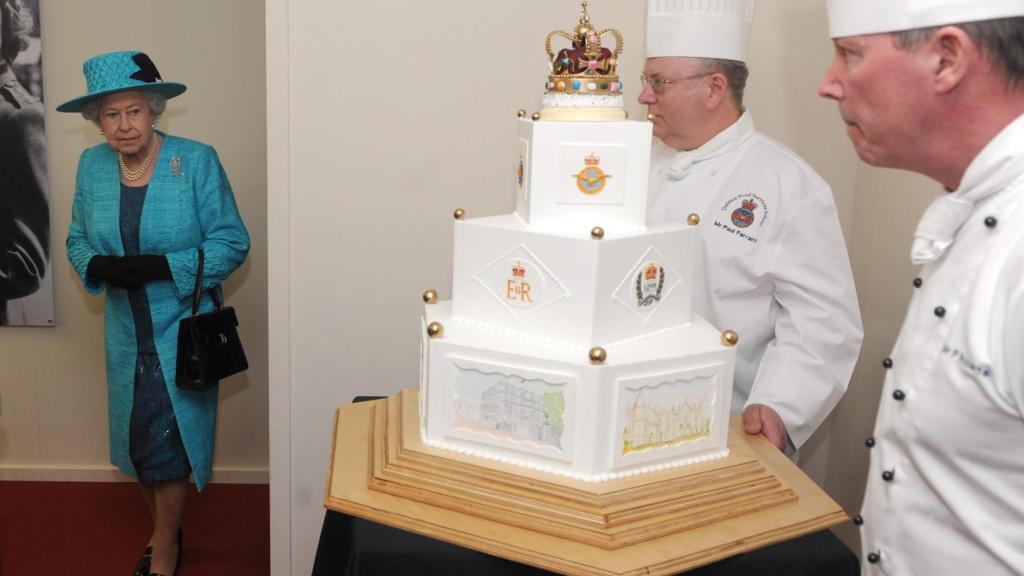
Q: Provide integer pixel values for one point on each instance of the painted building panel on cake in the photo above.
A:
(521, 413)
(510, 410)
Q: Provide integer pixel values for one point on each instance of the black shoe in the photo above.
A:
(142, 567)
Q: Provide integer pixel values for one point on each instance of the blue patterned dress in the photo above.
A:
(154, 442)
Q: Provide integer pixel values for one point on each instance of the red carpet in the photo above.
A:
(100, 529)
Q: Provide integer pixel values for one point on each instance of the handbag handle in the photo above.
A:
(198, 291)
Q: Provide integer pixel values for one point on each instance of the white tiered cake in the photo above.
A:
(569, 345)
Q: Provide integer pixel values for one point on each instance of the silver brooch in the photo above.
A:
(176, 166)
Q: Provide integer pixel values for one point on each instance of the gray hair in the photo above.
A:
(735, 72)
(157, 104)
(1001, 40)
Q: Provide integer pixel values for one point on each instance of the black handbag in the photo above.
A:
(208, 344)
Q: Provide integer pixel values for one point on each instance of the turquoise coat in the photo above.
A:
(189, 204)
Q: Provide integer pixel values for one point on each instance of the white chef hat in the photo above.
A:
(700, 28)
(857, 17)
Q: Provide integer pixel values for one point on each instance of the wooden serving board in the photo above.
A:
(659, 523)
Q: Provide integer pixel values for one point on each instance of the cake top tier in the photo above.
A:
(586, 67)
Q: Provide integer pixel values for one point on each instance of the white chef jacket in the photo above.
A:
(952, 449)
(771, 265)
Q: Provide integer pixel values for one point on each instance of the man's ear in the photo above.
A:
(951, 54)
(718, 91)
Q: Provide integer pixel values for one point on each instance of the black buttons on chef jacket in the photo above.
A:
(874, 557)
(858, 520)
(888, 475)
(870, 442)
(887, 363)
(940, 311)
(899, 395)
(918, 282)
(991, 222)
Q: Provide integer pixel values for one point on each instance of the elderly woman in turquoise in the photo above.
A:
(145, 203)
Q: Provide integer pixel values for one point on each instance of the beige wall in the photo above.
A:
(413, 105)
(383, 118)
(53, 403)
(878, 210)
(367, 105)
(888, 205)
(789, 50)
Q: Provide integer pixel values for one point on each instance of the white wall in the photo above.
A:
(53, 399)
(383, 118)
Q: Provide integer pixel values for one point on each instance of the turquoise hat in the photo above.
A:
(120, 72)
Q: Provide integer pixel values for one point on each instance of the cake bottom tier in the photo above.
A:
(657, 403)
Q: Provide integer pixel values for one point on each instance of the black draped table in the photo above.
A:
(351, 546)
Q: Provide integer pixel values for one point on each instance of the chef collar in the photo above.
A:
(723, 142)
(996, 167)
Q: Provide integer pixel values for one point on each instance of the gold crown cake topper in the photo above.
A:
(586, 67)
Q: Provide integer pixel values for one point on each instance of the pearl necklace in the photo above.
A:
(133, 175)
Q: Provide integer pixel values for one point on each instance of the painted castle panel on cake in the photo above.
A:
(683, 410)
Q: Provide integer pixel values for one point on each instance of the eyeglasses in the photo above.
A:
(658, 84)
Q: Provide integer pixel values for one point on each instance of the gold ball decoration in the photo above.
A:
(459, 213)
(693, 219)
(597, 233)
(536, 116)
(598, 355)
(521, 114)
(730, 338)
(430, 296)
(651, 117)
(560, 86)
(435, 330)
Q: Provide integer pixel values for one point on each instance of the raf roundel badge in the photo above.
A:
(591, 179)
(743, 216)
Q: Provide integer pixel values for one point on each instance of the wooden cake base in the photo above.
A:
(659, 523)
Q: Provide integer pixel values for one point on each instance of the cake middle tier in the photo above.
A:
(572, 291)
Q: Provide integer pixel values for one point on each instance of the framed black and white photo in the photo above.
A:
(26, 286)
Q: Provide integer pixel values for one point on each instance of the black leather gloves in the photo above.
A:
(128, 272)
(146, 268)
(103, 268)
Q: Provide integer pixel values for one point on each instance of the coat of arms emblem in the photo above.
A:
(649, 283)
(744, 215)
